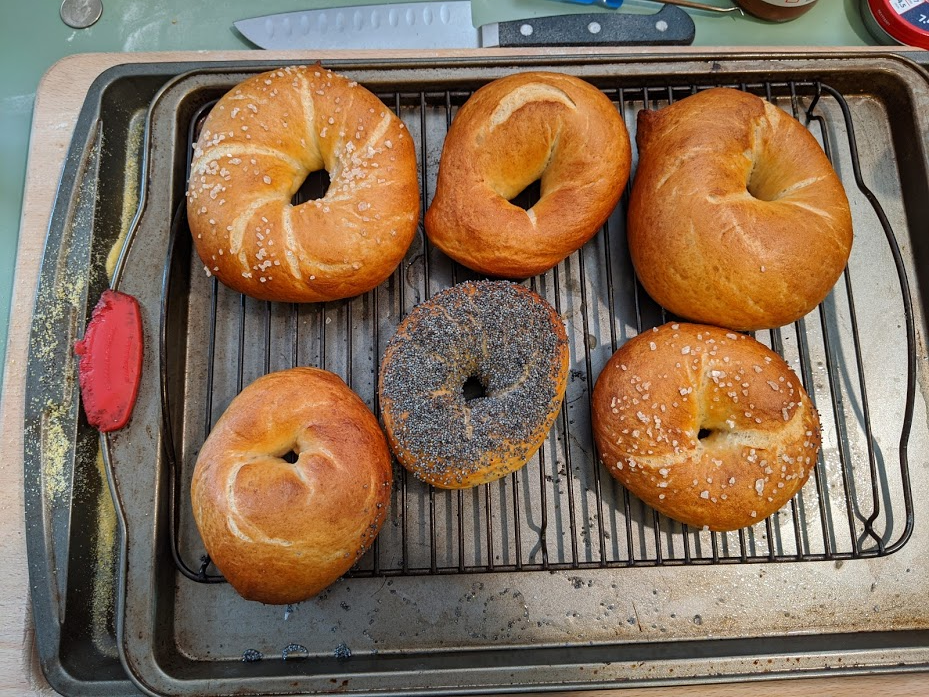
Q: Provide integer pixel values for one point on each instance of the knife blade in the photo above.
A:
(438, 25)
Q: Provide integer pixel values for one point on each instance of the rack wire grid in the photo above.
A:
(563, 510)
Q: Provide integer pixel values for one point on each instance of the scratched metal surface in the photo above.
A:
(454, 599)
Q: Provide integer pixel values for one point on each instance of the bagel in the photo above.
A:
(736, 216)
(709, 427)
(254, 152)
(281, 532)
(497, 333)
(511, 132)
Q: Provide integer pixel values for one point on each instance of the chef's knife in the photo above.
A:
(437, 25)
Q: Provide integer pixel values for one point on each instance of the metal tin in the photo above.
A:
(904, 22)
(776, 10)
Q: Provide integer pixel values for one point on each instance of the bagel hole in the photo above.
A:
(313, 187)
(473, 389)
(761, 187)
(704, 433)
(759, 193)
(529, 196)
(290, 457)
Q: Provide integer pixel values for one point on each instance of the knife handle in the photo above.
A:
(670, 26)
(612, 4)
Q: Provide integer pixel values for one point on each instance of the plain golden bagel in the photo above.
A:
(504, 338)
(709, 427)
(256, 148)
(736, 216)
(281, 532)
(513, 131)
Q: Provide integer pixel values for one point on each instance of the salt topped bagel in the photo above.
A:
(280, 532)
(710, 427)
(736, 216)
(256, 148)
(513, 131)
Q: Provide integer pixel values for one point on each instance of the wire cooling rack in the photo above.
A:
(561, 511)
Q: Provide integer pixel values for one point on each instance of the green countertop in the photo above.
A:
(33, 37)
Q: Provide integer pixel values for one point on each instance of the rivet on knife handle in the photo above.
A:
(670, 26)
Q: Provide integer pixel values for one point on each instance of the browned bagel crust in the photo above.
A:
(510, 133)
(662, 387)
(281, 532)
(255, 150)
(509, 338)
(736, 216)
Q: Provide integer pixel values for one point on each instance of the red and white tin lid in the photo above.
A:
(904, 21)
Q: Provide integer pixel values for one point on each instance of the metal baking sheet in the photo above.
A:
(513, 628)
(452, 607)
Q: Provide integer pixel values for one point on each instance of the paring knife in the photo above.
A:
(438, 25)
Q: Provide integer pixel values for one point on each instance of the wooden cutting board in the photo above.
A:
(58, 101)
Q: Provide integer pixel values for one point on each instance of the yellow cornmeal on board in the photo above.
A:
(55, 448)
(56, 321)
(130, 191)
(105, 553)
(57, 441)
(60, 307)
